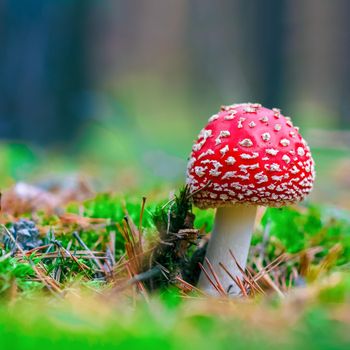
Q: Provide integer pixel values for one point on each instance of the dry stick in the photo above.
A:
(208, 277)
(245, 278)
(139, 284)
(216, 277)
(58, 270)
(29, 252)
(49, 284)
(237, 263)
(109, 257)
(96, 261)
(131, 258)
(81, 265)
(250, 286)
(229, 274)
(163, 270)
(233, 278)
(140, 222)
(47, 251)
(254, 282)
(135, 246)
(271, 266)
(136, 250)
(130, 228)
(269, 280)
(112, 246)
(55, 254)
(247, 282)
(129, 238)
(241, 286)
(189, 286)
(264, 271)
(119, 265)
(122, 232)
(83, 255)
(137, 278)
(218, 285)
(130, 223)
(109, 267)
(243, 271)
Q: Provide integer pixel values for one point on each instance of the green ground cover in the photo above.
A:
(309, 310)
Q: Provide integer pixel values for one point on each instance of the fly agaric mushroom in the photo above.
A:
(246, 156)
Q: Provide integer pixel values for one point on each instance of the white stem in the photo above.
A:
(232, 230)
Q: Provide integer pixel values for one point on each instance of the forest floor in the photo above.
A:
(116, 270)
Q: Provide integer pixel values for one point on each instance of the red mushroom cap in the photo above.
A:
(249, 154)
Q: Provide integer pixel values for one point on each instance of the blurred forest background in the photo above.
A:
(117, 90)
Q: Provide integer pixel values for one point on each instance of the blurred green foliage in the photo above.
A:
(162, 324)
(298, 229)
(17, 274)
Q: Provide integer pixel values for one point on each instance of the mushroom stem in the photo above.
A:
(232, 230)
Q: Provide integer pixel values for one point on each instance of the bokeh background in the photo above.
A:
(115, 91)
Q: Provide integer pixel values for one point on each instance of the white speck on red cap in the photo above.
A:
(286, 158)
(246, 143)
(249, 160)
(240, 122)
(224, 150)
(230, 160)
(285, 142)
(223, 133)
(266, 136)
(213, 117)
(229, 174)
(271, 151)
(264, 119)
(249, 156)
(206, 153)
(300, 151)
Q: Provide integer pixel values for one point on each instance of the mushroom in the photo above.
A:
(247, 155)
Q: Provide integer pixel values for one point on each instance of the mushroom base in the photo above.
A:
(232, 231)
